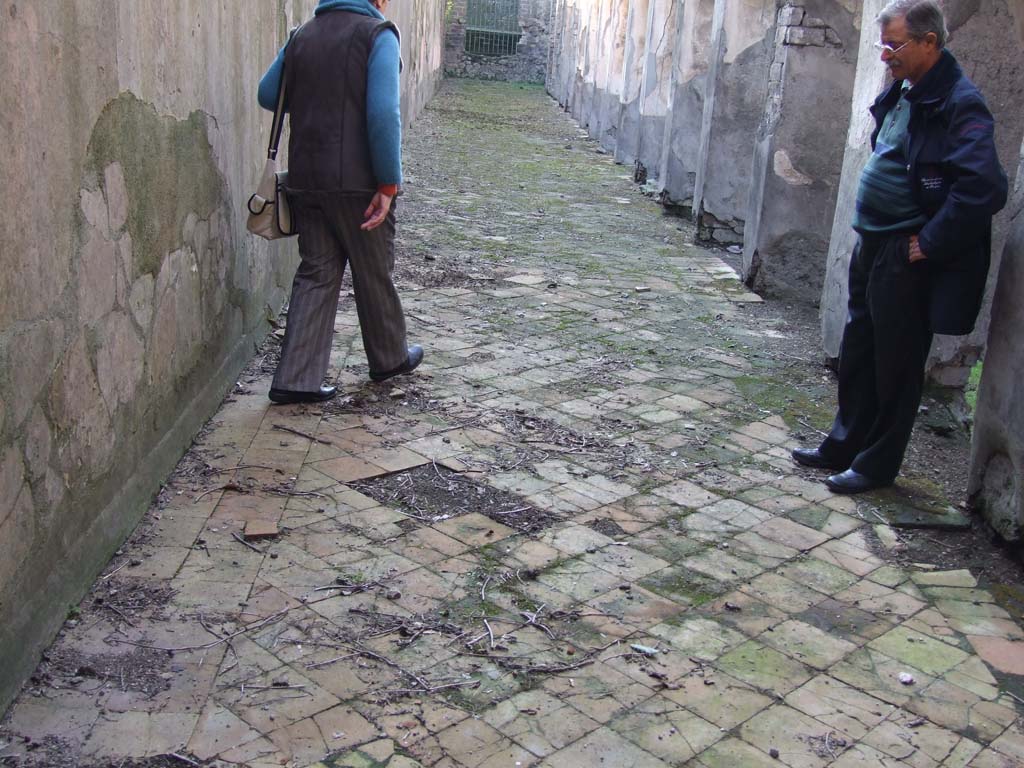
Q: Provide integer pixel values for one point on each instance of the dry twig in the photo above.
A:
(246, 543)
(314, 438)
(223, 639)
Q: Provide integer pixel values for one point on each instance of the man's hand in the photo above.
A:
(377, 212)
(915, 252)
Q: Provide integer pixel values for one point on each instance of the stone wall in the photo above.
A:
(132, 294)
(997, 451)
(987, 37)
(528, 64)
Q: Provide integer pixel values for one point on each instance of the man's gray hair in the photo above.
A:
(921, 17)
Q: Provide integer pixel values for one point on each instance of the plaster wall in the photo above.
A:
(734, 95)
(628, 143)
(656, 82)
(987, 37)
(798, 153)
(680, 146)
(528, 64)
(132, 293)
(563, 56)
(605, 125)
(593, 64)
(997, 452)
(583, 87)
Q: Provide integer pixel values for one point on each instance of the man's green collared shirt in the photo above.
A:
(885, 200)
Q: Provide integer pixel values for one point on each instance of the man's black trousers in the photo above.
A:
(882, 358)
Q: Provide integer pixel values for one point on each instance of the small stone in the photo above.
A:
(735, 249)
(774, 753)
(430, 257)
(732, 607)
(642, 289)
(646, 650)
(396, 393)
(394, 594)
(906, 678)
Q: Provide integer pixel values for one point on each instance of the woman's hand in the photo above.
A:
(377, 212)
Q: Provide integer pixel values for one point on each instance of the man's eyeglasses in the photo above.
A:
(887, 47)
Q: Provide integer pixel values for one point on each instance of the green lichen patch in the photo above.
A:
(684, 586)
(798, 406)
(169, 172)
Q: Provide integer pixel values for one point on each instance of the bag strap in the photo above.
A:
(278, 125)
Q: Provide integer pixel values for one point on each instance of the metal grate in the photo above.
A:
(492, 27)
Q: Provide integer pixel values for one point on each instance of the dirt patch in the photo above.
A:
(432, 493)
(385, 400)
(158, 761)
(978, 549)
(426, 271)
(140, 670)
(128, 598)
(607, 527)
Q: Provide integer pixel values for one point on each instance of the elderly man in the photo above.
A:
(924, 214)
(341, 78)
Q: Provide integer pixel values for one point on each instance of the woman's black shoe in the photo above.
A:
(411, 362)
(287, 396)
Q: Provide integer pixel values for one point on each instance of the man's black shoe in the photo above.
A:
(411, 362)
(852, 481)
(811, 457)
(287, 396)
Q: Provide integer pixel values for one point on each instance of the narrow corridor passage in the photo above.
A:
(573, 538)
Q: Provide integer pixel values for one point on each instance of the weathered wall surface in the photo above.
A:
(987, 37)
(743, 36)
(680, 157)
(132, 294)
(608, 109)
(422, 27)
(997, 451)
(528, 65)
(628, 132)
(656, 81)
(798, 161)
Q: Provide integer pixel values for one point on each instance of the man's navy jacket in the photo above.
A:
(957, 181)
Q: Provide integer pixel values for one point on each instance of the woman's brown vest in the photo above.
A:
(325, 70)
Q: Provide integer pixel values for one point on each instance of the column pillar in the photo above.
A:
(799, 148)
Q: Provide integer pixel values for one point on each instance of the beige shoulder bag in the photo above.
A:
(269, 214)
